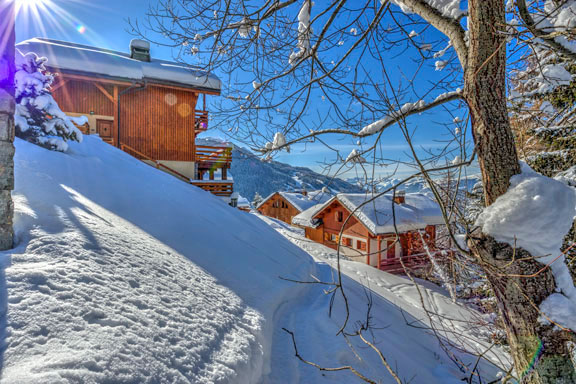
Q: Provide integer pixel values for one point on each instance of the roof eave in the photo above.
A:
(128, 81)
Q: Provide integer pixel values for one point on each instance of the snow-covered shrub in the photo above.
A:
(38, 117)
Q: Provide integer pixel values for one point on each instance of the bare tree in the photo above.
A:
(282, 58)
(7, 69)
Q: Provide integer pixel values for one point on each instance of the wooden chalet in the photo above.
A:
(369, 229)
(285, 206)
(149, 108)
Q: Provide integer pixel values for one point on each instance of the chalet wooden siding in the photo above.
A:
(84, 97)
(159, 122)
(279, 208)
(315, 234)
(331, 224)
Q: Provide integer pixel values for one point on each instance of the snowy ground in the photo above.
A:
(125, 274)
(423, 303)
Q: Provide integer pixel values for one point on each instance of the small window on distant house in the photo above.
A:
(361, 245)
(334, 238)
(347, 242)
(339, 216)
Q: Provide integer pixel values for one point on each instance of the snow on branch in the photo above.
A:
(355, 157)
(510, 219)
(304, 32)
(551, 24)
(447, 8)
(407, 110)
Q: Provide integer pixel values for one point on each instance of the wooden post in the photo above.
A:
(224, 173)
(379, 240)
(212, 174)
(368, 250)
(116, 117)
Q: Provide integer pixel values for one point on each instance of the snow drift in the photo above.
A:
(124, 274)
(101, 287)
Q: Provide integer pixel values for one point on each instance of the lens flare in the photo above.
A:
(45, 18)
(32, 6)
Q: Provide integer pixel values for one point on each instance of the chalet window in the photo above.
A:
(347, 242)
(361, 245)
(339, 216)
(334, 238)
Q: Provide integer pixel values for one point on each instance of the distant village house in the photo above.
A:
(285, 206)
(370, 228)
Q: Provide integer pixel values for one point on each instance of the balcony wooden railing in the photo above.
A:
(218, 188)
(210, 157)
(201, 121)
(412, 262)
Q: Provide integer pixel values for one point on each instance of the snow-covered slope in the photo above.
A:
(252, 175)
(124, 274)
(102, 287)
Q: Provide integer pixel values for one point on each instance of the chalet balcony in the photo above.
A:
(201, 121)
(413, 262)
(216, 187)
(212, 165)
(213, 156)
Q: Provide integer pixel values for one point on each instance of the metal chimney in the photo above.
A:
(140, 50)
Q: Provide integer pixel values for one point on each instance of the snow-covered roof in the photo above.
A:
(299, 201)
(303, 202)
(306, 218)
(417, 212)
(100, 62)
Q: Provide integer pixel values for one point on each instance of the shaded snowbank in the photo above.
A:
(102, 286)
(125, 274)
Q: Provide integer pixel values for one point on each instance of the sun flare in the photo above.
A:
(32, 5)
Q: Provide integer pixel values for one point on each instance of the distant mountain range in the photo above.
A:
(413, 186)
(252, 174)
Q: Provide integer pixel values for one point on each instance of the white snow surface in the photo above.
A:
(535, 214)
(122, 273)
(74, 57)
(458, 326)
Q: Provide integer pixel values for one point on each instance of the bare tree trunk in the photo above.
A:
(7, 69)
(539, 351)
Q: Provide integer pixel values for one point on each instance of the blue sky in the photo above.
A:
(103, 23)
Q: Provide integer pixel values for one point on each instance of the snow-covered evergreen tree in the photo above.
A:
(256, 200)
(38, 117)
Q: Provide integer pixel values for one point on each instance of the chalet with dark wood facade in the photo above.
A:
(370, 228)
(149, 108)
(285, 206)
